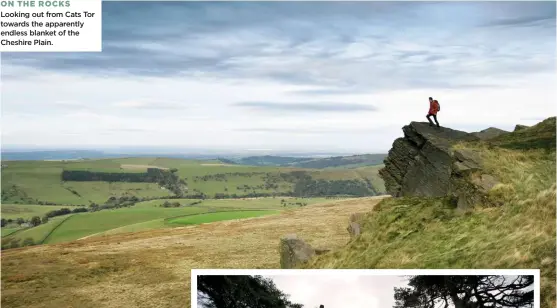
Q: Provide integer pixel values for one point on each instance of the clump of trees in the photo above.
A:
(466, 292)
(169, 204)
(223, 291)
(165, 178)
(283, 202)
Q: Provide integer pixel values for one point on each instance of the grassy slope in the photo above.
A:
(152, 268)
(8, 231)
(40, 180)
(215, 205)
(220, 216)
(143, 216)
(40, 233)
(427, 233)
(86, 224)
(26, 211)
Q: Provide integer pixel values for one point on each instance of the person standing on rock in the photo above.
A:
(434, 107)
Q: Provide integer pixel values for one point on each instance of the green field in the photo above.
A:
(86, 224)
(8, 231)
(212, 217)
(28, 186)
(149, 215)
(31, 182)
(38, 234)
(26, 211)
(39, 182)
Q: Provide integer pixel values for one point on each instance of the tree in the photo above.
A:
(4, 222)
(35, 221)
(45, 219)
(493, 291)
(224, 291)
(20, 221)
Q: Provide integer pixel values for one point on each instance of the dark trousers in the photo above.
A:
(434, 117)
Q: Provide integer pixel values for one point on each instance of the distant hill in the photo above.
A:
(53, 155)
(266, 160)
(354, 161)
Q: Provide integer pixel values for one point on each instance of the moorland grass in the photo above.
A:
(429, 233)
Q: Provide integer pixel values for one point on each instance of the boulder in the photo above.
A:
(294, 252)
(354, 229)
(485, 182)
(466, 162)
(357, 217)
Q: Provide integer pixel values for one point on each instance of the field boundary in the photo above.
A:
(54, 229)
(16, 231)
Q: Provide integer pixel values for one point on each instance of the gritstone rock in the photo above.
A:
(421, 163)
(294, 252)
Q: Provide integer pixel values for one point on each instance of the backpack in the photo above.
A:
(438, 105)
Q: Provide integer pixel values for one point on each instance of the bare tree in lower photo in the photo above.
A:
(466, 292)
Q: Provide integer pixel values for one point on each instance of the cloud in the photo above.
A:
(314, 74)
(149, 105)
(296, 43)
(310, 107)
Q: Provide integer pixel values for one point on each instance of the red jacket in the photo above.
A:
(434, 107)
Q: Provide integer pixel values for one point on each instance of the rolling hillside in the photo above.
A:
(353, 161)
(40, 182)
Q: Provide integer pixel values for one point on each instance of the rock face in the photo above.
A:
(422, 163)
(294, 251)
(520, 127)
(490, 133)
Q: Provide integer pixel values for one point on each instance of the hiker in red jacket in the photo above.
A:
(434, 107)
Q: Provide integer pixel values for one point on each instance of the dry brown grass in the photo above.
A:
(152, 268)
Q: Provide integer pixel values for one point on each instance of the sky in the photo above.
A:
(339, 291)
(305, 76)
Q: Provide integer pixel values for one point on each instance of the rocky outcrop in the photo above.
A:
(490, 133)
(421, 163)
(520, 127)
(295, 252)
(424, 163)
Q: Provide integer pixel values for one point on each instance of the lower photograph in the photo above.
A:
(364, 288)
